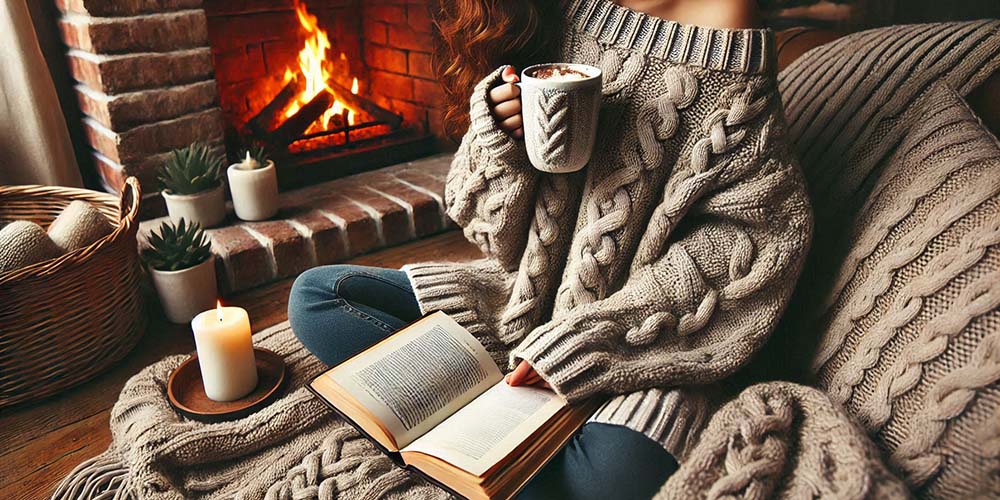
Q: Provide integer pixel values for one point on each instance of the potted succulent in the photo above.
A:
(183, 270)
(253, 183)
(192, 185)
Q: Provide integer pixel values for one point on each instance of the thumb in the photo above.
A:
(509, 74)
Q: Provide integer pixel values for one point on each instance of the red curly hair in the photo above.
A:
(477, 36)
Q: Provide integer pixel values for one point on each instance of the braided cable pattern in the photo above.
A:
(338, 470)
(940, 271)
(552, 133)
(482, 228)
(489, 199)
(750, 471)
(610, 206)
(524, 307)
(782, 440)
(525, 304)
(884, 209)
(619, 71)
(947, 399)
(745, 101)
(975, 299)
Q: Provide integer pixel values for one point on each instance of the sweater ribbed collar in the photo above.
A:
(737, 50)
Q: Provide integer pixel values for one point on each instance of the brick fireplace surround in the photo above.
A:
(155, 75)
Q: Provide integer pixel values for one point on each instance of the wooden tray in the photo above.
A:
(186, 391)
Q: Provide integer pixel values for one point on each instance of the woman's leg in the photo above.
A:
(606, 462)
(338, 311)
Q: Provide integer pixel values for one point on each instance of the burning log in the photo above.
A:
(292, 128)
(271, 115)
(357, 102)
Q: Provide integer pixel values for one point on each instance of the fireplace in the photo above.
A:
(332, 87)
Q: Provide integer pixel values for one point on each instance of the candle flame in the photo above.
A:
(218, 309)
(247, 160)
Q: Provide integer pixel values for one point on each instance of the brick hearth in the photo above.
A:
(330, 222)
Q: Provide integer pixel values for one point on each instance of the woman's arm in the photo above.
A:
(491, 185)
(697, 305)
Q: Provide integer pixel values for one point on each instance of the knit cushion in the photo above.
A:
(23, 243)
(909, 322)
(901, 282)
(79, 225)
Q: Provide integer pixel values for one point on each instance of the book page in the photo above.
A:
(488, 429)
(415, 379)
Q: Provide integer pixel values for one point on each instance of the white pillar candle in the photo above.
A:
(254, 188)
(225, 352)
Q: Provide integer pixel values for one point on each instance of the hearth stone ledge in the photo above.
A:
(330, 222)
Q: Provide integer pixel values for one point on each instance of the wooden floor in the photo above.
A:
(41, 442)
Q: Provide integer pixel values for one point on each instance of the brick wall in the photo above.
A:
(398, 39)
(145, 81)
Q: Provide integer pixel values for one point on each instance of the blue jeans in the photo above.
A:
(339, 311)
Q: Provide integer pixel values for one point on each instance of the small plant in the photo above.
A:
(191, 170)
(177, 247)
(258, 154)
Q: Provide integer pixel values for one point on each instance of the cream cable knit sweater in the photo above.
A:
(668, 260)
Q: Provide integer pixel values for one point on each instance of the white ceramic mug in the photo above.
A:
(560, 117)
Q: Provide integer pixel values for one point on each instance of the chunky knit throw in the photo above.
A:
(783, 440)
(669, 259)
(295, 448)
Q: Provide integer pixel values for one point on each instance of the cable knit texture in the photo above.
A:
(903, 288)
(665, 262)
(782, 440)
(296, 448)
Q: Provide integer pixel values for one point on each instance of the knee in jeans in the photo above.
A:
(310, 288)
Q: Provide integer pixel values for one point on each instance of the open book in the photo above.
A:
(432, 398)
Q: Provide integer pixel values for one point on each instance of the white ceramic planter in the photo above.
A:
(187, 292)
(207, 208)
(255, 192)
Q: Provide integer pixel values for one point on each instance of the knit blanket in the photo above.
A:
(294, 448)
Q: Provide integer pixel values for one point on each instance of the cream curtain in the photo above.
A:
(35, 147)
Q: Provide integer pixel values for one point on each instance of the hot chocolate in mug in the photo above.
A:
(560, 103)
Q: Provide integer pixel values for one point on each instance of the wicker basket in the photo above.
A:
(64, 320)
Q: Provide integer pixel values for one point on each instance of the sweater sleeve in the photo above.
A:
(490, 187)
(705, 301)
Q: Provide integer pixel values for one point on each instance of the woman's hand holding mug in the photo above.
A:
(555, 108)
(505, 102)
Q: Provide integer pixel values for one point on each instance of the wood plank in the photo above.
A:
(42, 442)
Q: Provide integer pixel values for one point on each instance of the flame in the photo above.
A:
(316, 69)
(218, 309)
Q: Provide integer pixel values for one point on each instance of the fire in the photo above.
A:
(316, 69)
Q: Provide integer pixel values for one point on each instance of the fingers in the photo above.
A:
(504, 93)
(505, 100)
(524, 374)
(509, 74)
(520, 374)
(507, 109)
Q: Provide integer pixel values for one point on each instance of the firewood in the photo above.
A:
(293, 127)
(357, 102)
(270, 116)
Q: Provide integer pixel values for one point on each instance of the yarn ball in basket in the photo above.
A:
(23, 243)
(79, 225)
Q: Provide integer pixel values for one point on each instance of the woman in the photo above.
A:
(658, 269)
